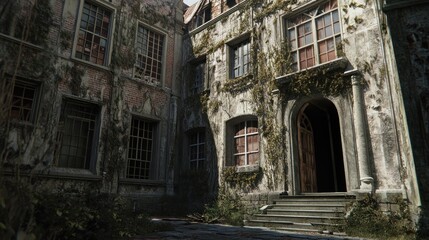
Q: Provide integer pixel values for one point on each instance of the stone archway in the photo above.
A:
(320, 158)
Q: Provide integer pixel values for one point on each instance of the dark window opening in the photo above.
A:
(23, 102)
(204, 15)
(77, 135)
(231, 3)
(198, 77)
(197, 153)
(141, 149)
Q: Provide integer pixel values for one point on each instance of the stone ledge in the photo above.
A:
(338, 64)
(126, 181)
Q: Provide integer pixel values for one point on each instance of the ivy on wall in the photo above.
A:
(267, 64)
(242, 180)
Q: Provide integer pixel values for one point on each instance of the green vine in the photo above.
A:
(241, 179)
(317, 81)
(238, 85)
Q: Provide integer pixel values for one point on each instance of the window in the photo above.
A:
(199, 77)
(93, 35)
(26, 20)
(141, 149)
(204, 15)
(23, 102)
(197, 154)
(246, 143)
(77, 133)
(150, 47)
(314, 35)
(231, 3)
(240, 59)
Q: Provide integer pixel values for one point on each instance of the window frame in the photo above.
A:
(111, 30)
(235, 46)
(152, 173)
(36, 87)
(160, 81)
(336, 37)
(198, 145)
(204, 15)
(94, 142)
(230, 158)
(198, 69)
(231, 3)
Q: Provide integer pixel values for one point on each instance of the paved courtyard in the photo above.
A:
(184, 229)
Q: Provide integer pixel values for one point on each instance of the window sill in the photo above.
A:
(63, 173)
(155, 84)
(247, 169)
(90, 64)
(21, 124)
(20, 41)
(145, 182)
(338, 64)
(238, 84)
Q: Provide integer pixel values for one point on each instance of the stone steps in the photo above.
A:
(305, 213)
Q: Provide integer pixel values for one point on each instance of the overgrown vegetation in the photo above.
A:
(228, 208)
(32, 206)
(67, 214)
(242, 180)
(368, 220)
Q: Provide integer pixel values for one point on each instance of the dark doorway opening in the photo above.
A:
(328, 156)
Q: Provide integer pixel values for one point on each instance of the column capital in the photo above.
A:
(355, 76)
(352, 72)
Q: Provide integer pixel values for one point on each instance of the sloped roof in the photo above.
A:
(190, 11)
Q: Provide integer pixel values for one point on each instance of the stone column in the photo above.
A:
(366, 180)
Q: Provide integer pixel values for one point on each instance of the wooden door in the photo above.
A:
(306, 155)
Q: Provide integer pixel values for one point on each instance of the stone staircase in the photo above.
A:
(305, 213)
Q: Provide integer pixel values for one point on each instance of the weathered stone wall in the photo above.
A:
(112, 87)
(365, 48)
(408, 31)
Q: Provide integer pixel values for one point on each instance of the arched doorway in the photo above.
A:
(321, 166)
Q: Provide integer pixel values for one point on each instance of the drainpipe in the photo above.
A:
(362, 142)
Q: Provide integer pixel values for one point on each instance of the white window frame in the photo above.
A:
(148, 79)
(108, 53)
(246, 136)
(312, 13)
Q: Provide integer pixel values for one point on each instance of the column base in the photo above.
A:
(367, 184)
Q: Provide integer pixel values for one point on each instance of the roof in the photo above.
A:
(191, 10)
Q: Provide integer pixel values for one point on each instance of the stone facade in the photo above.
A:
(360, 114)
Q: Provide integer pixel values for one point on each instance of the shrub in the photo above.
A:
(367, 220)
(228, 209)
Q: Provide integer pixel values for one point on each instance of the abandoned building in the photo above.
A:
(309, 101)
